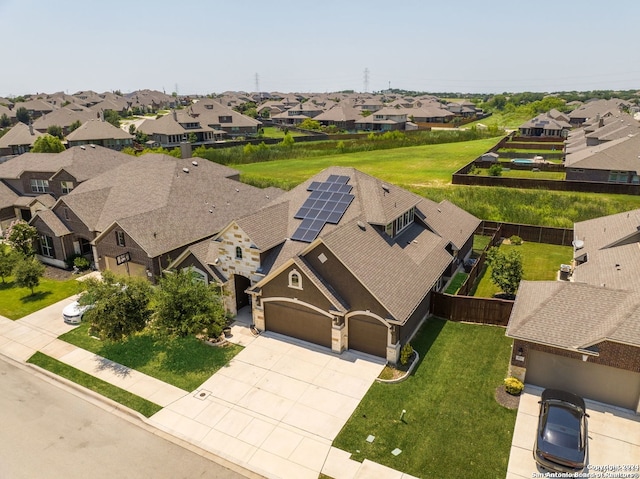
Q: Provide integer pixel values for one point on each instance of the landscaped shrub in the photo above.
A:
(495, 170)
(513, 386)
(405, 354)
(515, 240)
(81, 263)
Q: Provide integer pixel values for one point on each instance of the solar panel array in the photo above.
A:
(327, 203)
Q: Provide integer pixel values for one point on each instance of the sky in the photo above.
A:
(212, 46)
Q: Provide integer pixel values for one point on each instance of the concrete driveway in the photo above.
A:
(276, 408)
(614, 437)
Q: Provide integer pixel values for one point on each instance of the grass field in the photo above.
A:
(453, 426)
(184, 362)
(509, 121)
(17, 302)
(418, 165)
(540, 262)
(273, 132)
(537, 175)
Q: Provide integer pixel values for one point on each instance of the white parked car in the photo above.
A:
(73, 312)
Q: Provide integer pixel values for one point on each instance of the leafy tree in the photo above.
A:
(309, 124)
(8, 260)
(112, 117)
(119, 305)
(132, 129)
(22, 114)
(193, 137)
(495, 170)
(55, 130)
(4, 121)
(21, 236)
(47, 144)
(506, 269)
(186, 306)
(287, 140)
(28, 272)
(141, 137)
(74, 126)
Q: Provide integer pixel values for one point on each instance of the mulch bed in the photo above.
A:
(505, 399)
(51, 272)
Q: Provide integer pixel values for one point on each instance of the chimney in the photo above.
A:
(185, 149)
(31, 128)
(175, 115)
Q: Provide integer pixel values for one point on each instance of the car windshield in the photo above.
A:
(561, 426)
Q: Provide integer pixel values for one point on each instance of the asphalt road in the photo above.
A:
(46, 431)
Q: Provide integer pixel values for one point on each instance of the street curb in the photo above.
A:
(127, 414)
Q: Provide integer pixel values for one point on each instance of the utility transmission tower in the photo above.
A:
(257, 83)
(366, 80)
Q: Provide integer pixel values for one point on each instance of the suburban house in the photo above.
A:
(386, 119)
(215, 115)
(615, 161)
(584, 335)
(601, 129)
(342, 115)
(592, 109)
(19, 139)
(137, 216)
(100, 132)
(64, 118)
(544, 126)
(343, 260)
(178, 126)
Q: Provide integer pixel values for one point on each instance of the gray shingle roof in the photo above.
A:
(574, 315)
(19, 134)
(621, 154)
(93, 130)
(53, 222)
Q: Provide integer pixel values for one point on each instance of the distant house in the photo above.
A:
(614, 161)
(342, 116)
(386, 119)
(64, 118)
(99, 132)
(343, 260)
(544, 126)
(179, 126)
(19, 139)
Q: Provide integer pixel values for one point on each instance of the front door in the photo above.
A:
(241, 284)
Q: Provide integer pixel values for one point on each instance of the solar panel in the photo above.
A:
(327, 203)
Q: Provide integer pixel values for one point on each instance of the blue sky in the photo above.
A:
(211, 46)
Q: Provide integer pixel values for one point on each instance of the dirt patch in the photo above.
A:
(505, 399)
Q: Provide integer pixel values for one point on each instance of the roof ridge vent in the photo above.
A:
(362, 226)
(194, 163)
(186, 170)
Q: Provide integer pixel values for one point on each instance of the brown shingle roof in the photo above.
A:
(93, 130)
(19, 134)
(53, 222)
(574, 315)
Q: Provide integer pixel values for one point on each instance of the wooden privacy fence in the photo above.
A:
(471, 309)
(535, 234)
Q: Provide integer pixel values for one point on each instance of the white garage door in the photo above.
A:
(592, 381)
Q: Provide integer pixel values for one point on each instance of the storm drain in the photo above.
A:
(202, 394)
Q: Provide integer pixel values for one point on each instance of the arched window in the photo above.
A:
(238, 252)
(295, 280)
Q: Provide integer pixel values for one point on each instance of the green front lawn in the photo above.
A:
(415, 165)
(18, 302)
(456, 282)
(540, 262)
(453, 426)
(144, 407)
(184, 362)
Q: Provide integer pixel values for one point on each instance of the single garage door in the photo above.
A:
(593, 381)
(367, 335)
(298, 322)
(134, 269)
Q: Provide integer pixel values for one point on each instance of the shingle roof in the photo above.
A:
(574, 315)
(622, 154)
(7, 196)
(62, 117)
(169, 208)
(53, 222)
(19, 134)
(97, 130)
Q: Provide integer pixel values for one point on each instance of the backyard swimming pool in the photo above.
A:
(523, 161)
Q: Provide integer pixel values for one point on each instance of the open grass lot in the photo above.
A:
(273, 132)
(17, 302)
(144, 407)
(504, 120)
(184, 362)
(453, 426)
(540, 262)
(417, 165)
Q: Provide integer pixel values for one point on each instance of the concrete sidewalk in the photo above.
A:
(283, 420)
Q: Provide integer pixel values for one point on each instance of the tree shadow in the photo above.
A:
(426, 338)
(7, 285)
(134, 352)
(36, 296)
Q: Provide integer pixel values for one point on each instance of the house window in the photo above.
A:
(238, 252)
(224, 119)
(66, 213)
(39, 186)
(389, 230)
(46, 246)
(66, 186)
(295, 280)
(618, 177)
(120, 238)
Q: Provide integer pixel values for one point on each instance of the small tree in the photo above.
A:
(495, 170)
(28, 272)
(4, 121)
(506, 269)
(186, 306)
(22, 114)
(8, 260)
(119, 305)
(112, 117)
(55, 130)
(309, 124)
(288, 140)
(22, 236)
(47, 144)
(74, 126)
(132, 129)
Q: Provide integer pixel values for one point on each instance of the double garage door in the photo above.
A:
(592, 381)
(364, 334)
(126, 269)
